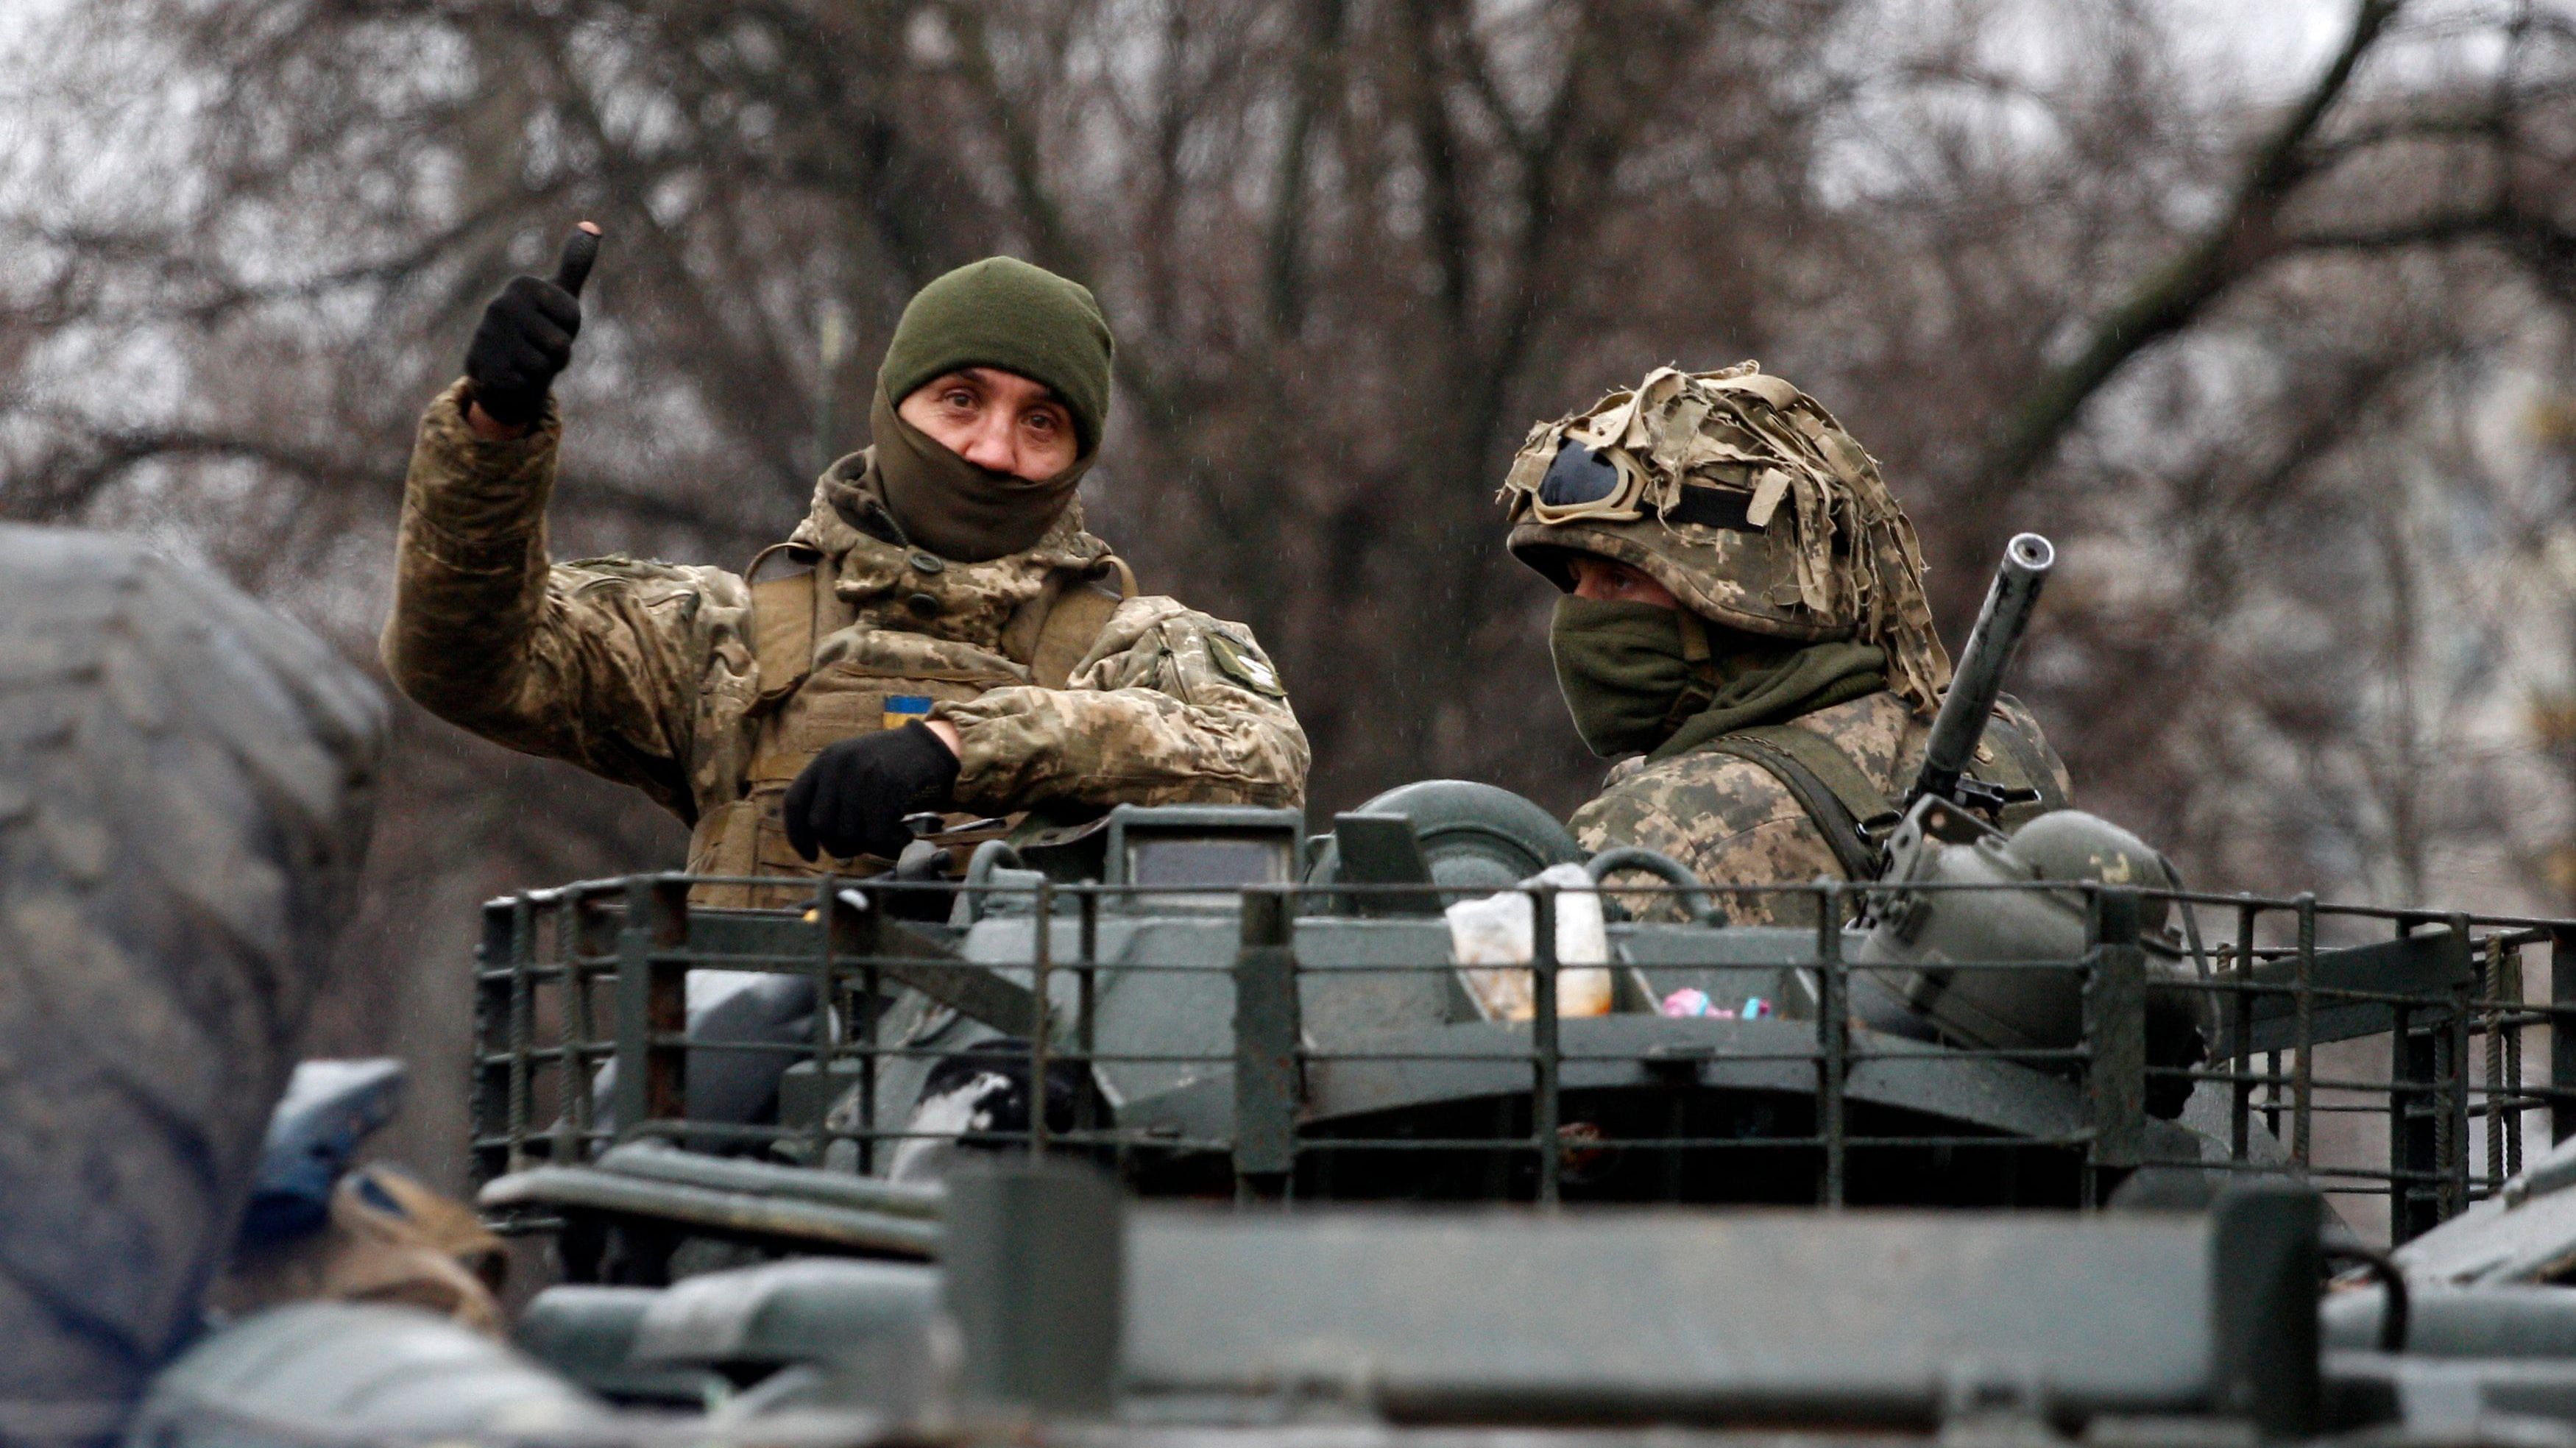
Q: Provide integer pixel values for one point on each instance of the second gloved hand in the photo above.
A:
(852, 798)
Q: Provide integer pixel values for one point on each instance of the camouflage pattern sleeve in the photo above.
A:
(1169, 707)
(601, 663)
(1728, 820)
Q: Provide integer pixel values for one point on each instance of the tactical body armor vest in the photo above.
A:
(825, 677)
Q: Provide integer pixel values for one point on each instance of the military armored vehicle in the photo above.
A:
(1225, 1140)
(1442, 998)
(1426, 1127)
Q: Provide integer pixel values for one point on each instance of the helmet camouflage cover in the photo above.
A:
(1746, 500)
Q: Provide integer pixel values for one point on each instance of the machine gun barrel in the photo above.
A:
(1980, 674)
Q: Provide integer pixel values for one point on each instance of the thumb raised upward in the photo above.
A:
(580, 250)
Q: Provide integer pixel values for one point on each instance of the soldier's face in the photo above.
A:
(997, 420)
(1611, 582)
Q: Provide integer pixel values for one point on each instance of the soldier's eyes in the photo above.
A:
(959, 398)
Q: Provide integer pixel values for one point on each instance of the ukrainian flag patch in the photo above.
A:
(902, 709)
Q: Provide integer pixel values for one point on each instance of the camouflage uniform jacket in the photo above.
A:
(650, 673)
(1734, 823)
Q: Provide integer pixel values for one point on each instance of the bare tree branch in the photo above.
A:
(1319, 38)
(2241, 240)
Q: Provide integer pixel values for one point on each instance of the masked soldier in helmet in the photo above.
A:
(1743, 613)
(939, 633)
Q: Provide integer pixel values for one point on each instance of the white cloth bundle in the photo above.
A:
(1493, 940)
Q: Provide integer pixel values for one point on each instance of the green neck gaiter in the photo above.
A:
(1631, 686)
(954, 508)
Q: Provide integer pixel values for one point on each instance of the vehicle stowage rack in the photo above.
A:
(1267, 1037)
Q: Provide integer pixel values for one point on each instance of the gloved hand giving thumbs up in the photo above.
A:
(526, 336)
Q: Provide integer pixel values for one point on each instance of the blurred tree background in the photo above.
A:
(2270, 333)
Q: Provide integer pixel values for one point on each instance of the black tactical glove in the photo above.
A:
(526, 336)
(852, 799)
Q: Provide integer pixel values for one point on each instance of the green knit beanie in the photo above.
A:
(1003, 312)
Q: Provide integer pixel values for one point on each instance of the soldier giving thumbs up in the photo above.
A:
(939, 633)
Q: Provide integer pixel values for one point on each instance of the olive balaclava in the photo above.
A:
(998, 312)
(1643, 677)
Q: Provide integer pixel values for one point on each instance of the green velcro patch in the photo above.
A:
(1237, 661)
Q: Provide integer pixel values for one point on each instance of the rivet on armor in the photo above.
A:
(923, 604)
(928, 563)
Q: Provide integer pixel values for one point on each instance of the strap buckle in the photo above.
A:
(1990, 800)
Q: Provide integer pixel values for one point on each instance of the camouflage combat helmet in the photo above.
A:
(1746, 500)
